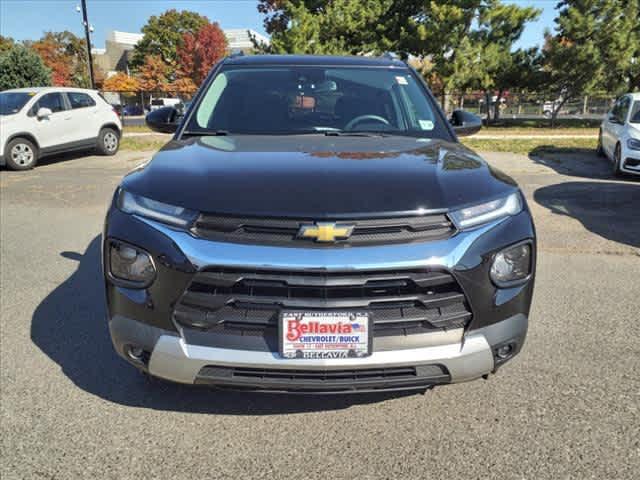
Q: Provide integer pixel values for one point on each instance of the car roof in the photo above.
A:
(49, 89)
(320, 60)
(635, 96)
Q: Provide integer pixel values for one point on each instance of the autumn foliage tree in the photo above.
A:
(121, 82)
(153, 75)
(199, 52)
(65, 55)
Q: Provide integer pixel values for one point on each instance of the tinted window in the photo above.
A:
(625, 104)
(12, 102)
(52, 101)
(635, 113)
(296, 100)
(80, 100)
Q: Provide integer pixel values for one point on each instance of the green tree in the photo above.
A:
(333, 27)
(163, 35)
(573, 63)
(21, 67)
(617, 35)
(469, 42)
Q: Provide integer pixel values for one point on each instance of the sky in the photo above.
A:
(28, 19)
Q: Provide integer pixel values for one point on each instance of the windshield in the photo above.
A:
(635, 112)
(297, 100)
(12, 102)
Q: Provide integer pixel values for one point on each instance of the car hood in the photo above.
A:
(315, 176)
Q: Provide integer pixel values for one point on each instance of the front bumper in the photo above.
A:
(631, 164)
(173, 359)
(144, 318)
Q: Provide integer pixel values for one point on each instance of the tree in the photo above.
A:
(121, 82)
(21, 67)
(617, 36)
(200, 51)
(469, 42)
(163, 35)
(66, 55)
(184, 86)
(6, 43)
(153, 74)
(573, 63)
(335, 27)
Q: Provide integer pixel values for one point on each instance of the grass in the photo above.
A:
(143, 144)
(539, 146)
(561, 123)
(136, 128)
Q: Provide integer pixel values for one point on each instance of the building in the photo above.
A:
(115, 55)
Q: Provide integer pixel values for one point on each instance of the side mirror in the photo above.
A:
(164, 120)
(465, 123)
(612, 118)
(43, 113)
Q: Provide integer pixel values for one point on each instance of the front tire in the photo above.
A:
(617, 161)
(21, 154)
(108, 141)
(599, 149)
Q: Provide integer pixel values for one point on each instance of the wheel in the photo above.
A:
(108, 141)
(617, 161)
(21, 154)
(599, 149)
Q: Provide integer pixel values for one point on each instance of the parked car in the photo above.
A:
(157, 103)
(619, 137)
(35, 122)
(132, 110)
(316, 226)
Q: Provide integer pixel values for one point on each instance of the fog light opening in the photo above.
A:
(505, 351)
(137, 354)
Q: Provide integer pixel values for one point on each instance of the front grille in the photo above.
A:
(236, 302)
(324, 380)
(284, 231)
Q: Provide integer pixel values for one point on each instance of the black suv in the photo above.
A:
(314, 225)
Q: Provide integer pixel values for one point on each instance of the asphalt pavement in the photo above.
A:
(566, 407)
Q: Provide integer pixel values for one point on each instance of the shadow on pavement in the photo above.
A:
(608, 209)
(578, 162)
(69, 326)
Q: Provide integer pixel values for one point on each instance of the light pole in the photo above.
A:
(87, 32)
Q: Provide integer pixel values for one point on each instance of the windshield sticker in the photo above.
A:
(401, 80)
(426, 124)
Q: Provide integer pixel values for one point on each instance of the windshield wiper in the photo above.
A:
(355, 134)
(213, 133)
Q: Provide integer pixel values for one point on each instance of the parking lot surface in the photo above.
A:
(567, 407)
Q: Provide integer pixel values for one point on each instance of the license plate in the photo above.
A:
(325, 334)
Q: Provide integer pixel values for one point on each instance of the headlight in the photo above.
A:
(511, 265)
(633, 144)
(162, 212)
(130, 265)
(487, 212)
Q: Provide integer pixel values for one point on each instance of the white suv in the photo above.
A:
(35, 122)
(619, 138)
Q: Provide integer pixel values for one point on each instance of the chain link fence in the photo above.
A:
(515, 105)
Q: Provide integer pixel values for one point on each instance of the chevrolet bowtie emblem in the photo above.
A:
(325, 231)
